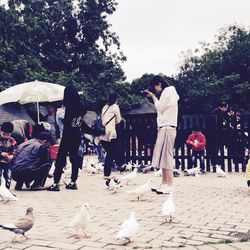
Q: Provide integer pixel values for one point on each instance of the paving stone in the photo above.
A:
(240, 246)
(223, 247)
(207, 210)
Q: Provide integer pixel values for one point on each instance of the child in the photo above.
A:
(8, 147)
(198, 142)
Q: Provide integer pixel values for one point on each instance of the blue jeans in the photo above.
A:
(198, 155)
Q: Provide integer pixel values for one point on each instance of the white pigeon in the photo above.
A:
(129, 177)
(129, 166)
(158, 173)
(128, 228)
(142, 190)
(99, 166)
(66, 174)
(114, 185)
(168, 208)
(5, 193)
(220, 172)
(91, 169)
(81, 221)
(192, 171)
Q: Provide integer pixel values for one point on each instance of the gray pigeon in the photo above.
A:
(22, 225)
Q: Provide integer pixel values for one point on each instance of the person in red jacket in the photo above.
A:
(198, 142)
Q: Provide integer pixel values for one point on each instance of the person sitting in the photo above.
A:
(32, 162)
(198, 142)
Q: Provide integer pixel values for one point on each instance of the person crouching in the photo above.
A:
(32, 162)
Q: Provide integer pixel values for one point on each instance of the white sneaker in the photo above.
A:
(165, 189)
(154, 189)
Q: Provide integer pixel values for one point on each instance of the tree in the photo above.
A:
(218, 72)
(60, 40)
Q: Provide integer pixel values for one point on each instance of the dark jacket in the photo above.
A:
(30, 154)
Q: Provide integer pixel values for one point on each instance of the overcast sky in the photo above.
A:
(153, 33)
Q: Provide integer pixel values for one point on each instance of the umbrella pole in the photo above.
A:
(38, 116)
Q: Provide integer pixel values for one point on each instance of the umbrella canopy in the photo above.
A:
(35, 91)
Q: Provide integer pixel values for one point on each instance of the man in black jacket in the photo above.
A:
(32, 162)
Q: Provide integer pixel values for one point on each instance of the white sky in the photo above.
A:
(153, 33)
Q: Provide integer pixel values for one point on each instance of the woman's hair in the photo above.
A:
(112, 99)
(159, 79)
(71, 97)
(72, 102)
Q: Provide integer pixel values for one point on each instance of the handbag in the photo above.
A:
(98, 127)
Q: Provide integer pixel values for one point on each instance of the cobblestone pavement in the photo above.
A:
(211, 213)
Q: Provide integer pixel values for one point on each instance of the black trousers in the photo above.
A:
(71, 149)
(37, 173)
(110, 156)
(5, 170)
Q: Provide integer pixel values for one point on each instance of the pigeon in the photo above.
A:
(113, 184)
(67, 174)
(5, 193)
(81, 221)
(128, 228)
(158, 173)
(99, 167)
(122, 168)
(192, 171)
(176, 172)
(168, 208)
(220, 172)
(91, 169)
(147, 169)
(22, 225)
(142, 190)
(130, 176)
(129, 166)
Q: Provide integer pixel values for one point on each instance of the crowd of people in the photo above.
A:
(29, 162)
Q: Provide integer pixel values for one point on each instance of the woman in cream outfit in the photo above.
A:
(111, 116)
(167, 111)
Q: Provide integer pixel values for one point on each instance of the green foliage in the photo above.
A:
(58, 41)
(220, 73)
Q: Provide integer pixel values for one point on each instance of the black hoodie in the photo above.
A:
(74, 125)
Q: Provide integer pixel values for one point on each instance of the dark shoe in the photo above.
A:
(36, 188)
(19, 186)
(203, 172)
(54, 188)
(71, 186)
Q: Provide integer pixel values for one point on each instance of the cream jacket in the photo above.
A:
(110, 130)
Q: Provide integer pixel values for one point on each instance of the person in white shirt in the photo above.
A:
(60, 113)
(167, 112)
(111, 116)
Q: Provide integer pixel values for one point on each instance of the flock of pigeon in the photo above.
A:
(81, 220)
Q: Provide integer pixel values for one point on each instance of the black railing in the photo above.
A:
(138, 135)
